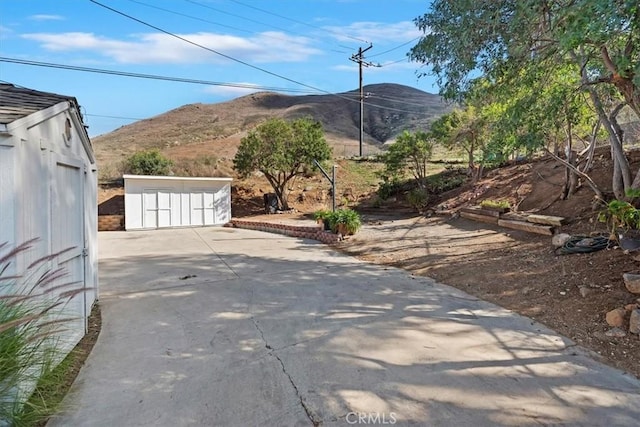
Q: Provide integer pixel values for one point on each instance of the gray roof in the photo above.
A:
(18, 102)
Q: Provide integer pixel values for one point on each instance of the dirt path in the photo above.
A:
(514, 269)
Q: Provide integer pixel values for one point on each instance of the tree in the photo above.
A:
(462, 130)
(465, 37)
(150, 162)
(495, 39)
(411, 151)
(281, 150)
(542, 109)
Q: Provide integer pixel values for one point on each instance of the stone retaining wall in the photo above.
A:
(110, 222)
(302, 231)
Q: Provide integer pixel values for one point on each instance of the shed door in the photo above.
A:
(202, 207)
(67, 234)
(156, 206)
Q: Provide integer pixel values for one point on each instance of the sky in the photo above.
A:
(231, 47)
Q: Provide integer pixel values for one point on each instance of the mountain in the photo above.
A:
(197, 129)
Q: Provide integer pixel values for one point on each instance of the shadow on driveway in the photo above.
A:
(235, 327)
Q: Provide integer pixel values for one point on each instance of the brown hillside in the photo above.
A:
(195, 130)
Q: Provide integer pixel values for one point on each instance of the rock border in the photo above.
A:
(301, 231)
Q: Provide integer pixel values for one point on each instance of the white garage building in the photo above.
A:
(169, 201)
(48, 192)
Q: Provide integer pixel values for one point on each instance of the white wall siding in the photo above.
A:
(161, 202)
(48, 191)
(7, 195)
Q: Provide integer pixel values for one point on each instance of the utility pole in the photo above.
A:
(359, 58)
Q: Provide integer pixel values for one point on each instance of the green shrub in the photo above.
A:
(495, 204)
(149, 162)
(204, 165)
(418, 199)
(445, 181)
(321, 215)
(389, 188)
(620, 215)
(324, 216)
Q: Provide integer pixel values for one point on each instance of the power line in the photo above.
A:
(297, 21)
(404, 101)
(113, 117)
(393, 62)
(239, 16)
(388, 98)
(243, 30)
(206, 48)
(232, 58)
(345, 96)
(395, 48)
(147, 76)
(196, 18)
(191, 80)
(189, 16)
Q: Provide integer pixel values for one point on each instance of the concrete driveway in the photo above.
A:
(230, 327)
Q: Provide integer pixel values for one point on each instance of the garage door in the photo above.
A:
(156, 206)
(163, 208)
(162, 202)
(202, 208)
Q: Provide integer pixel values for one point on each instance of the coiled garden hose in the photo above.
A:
(584, 244)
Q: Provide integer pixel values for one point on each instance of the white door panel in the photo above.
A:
(156, 206)
(150, 209)
(164, 209)
(67, 234)
(209, 208)
(197, 208)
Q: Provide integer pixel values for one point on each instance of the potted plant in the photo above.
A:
(345, 222)
(323, 217)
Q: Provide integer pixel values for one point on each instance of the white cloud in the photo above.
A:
(346, 67)
(43, 17)
(5, 32)
(267, 47)
(376, 32)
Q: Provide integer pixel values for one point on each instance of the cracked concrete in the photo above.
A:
(276, 331)
(272, 352)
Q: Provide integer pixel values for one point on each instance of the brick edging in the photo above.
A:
(110, 222)
(305, 232)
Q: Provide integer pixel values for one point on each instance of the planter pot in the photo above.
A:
(343, 229)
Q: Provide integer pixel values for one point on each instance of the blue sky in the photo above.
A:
(290, 46)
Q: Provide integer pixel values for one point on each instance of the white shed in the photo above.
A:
(171, 201)
(48, 191)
